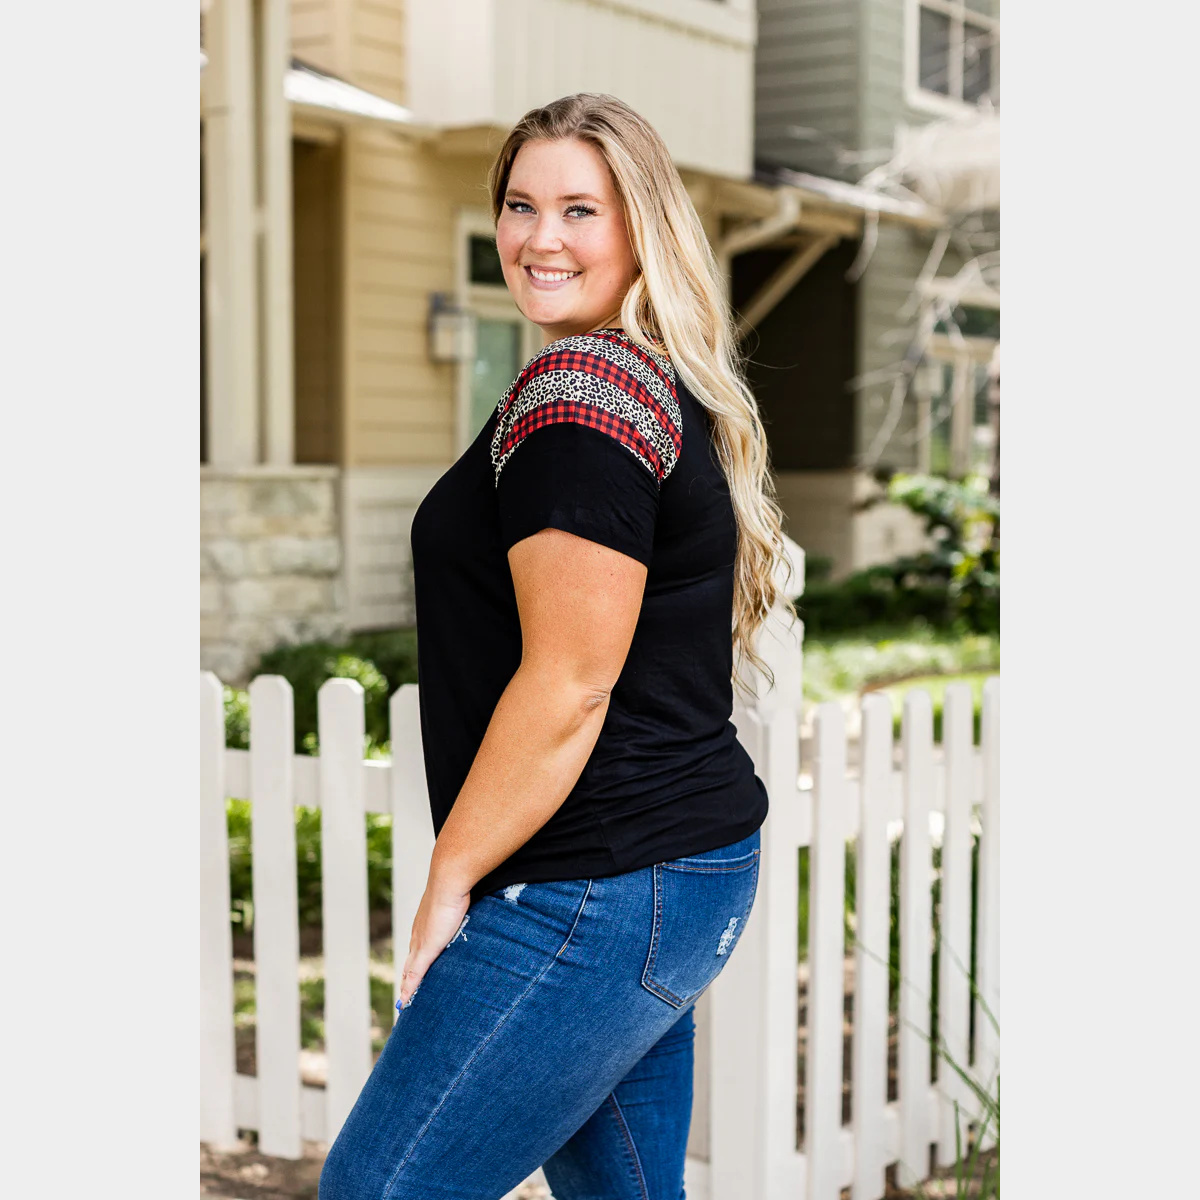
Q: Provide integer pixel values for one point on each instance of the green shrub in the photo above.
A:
(380, 662)
(237, 718)
(239, 816)
(955, 584)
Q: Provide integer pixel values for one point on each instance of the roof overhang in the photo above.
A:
(316, 94)
(850, 198)
(802, 215)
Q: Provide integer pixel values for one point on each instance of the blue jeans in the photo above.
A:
(555, 1031)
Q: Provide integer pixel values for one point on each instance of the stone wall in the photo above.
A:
(270, 563)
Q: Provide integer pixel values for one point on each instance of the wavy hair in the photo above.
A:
(677, 303)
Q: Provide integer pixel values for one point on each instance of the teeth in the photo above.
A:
(552, 276)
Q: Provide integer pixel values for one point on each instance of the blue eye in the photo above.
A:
(514, 205)
(582, 208)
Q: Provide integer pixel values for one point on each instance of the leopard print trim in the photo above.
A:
(603, 380)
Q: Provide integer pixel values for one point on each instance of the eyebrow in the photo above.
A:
(516, 192)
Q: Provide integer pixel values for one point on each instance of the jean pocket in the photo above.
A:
(700, 909)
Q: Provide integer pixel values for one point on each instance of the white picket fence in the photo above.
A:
(744, 1139)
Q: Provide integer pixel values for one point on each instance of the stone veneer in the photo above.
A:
(270, 563)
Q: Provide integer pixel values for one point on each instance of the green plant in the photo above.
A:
(953, 585)
(308, 864)
(961, 517)
(237, 718)
(380, 661)
(312, 1008)
(976, 1171)
(845, 663)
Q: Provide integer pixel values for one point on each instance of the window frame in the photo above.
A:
(961, 354)
(487, 300)
(923, 100)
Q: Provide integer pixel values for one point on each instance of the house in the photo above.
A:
(888, 371)
(356, 331)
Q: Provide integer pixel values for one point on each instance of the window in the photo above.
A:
(484, 260)
(954, 53)
(972, 321)
(953, 398)
(504, 339)
(955, 431)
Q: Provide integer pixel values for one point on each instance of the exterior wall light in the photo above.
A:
(451, 330)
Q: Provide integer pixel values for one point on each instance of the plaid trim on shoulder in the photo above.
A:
(605, 381)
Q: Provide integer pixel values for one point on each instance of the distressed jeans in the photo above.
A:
(555, 1031)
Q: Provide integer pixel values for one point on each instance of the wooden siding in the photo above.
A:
(807, 74)
(883, 97)
(883, 104)
(378, 504)
(313, 25)
(402, 202)
(360, 40)
(883, 291)
(838, 66)
(686, 65)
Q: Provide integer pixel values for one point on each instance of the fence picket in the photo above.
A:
(784, 1177)
(826, 949)
(954, 961)
(752, 1005)
(344, 912)
(276, 921)
(730, 1023)
(987, 1038)
(746, 1084)
(916, 869)
(872, 906)
(217, 1054)
(412, 825)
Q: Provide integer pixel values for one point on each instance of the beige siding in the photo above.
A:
(402, 205)
(360, 40)
(687, 67)
(377, 47)
(313, 23)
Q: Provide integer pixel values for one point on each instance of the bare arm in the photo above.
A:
(578, 603)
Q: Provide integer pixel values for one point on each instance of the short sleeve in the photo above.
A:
(573, 477)
(583, 442)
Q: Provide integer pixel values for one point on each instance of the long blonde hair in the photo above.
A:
(677, 303)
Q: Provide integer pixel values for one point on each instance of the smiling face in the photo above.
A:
(562, 239)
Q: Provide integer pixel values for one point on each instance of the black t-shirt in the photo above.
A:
(600, 438)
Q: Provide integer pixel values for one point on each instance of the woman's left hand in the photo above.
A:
(440, 915)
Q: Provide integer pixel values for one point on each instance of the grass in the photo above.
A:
(936, 686)
(836, 666)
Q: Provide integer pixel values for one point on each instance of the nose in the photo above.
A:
(546, 235)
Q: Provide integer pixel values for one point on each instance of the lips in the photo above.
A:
(550, 277)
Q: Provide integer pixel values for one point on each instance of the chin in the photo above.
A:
(545, 314)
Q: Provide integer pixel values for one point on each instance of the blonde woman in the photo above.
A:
(584, 574)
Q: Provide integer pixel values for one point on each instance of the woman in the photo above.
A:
(578, 573)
